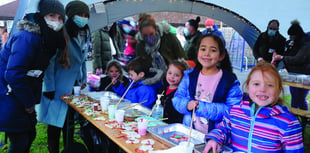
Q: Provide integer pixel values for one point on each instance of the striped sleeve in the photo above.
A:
(222, 133)
(292, 138)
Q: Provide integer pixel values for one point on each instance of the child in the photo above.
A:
(259, 123)
(210, 89)
(114, 72)
(138, 92)
(173, 77)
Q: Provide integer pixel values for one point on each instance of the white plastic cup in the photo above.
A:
(77, 90)
(142, 126)
(185, 148)
(104, 103)
(119, 116)
(111, 111)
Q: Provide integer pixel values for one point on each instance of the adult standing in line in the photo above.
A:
(192, 34)
(156, 43)
(23, 61)
(66, 69)
(101, 50)
(269, 42)
(297, 60)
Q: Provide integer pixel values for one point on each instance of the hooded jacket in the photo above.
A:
(170, 47)
(138, 92)
(227, 93)
(271, 129)
(101, 49)
(19, 87)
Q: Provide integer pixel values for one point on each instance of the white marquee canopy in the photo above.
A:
(248, 17)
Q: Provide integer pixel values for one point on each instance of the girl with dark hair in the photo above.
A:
(192, 35)
(114, 71)
(210, 88)
(66, 69)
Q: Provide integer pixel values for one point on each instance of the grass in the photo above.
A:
(40, 143)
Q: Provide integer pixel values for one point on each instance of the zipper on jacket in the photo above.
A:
(253, 117)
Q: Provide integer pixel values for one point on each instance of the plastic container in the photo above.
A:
(158, 112)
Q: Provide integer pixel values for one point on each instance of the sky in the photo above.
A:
(2, 2)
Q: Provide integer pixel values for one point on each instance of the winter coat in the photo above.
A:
(215, 31)
(170, 47)
(61, 80)
(169, 111)
(297, 58)
(227, 94)
(106, 83)
(265, 42)
(18, 89)
(138, 92)
(101, 49)
(272, 129)
(191, 45)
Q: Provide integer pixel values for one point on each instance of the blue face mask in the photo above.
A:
(126, 29)
(271, 32)
(186, 32)
(151, 40)
(80, 21)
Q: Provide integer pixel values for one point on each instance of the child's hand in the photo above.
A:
(192, 104)
(212, 145)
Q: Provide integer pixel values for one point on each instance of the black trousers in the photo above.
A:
(53, 133)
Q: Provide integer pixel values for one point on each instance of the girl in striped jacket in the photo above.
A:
(259, 123)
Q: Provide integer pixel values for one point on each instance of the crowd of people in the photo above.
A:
(47, 58)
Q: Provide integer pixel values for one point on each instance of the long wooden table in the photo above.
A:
(297, 85)
(115, 134)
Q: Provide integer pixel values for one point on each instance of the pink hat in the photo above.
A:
(209, 22)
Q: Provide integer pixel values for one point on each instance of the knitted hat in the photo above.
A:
(209, 22)
(76, 7)
(295, 29)
(51, 6)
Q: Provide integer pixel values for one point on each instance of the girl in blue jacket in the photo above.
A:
(211, 87)
(138, 70)
(66, 69)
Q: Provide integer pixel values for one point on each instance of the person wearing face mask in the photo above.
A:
(192, 35)
(212, 28)
(158, 45)
(269, 42)
(297, 60)
(66, 70)
(23, 61)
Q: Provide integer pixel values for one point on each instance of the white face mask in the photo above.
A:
(55, 25)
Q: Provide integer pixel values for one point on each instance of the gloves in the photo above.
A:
(50, 95)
